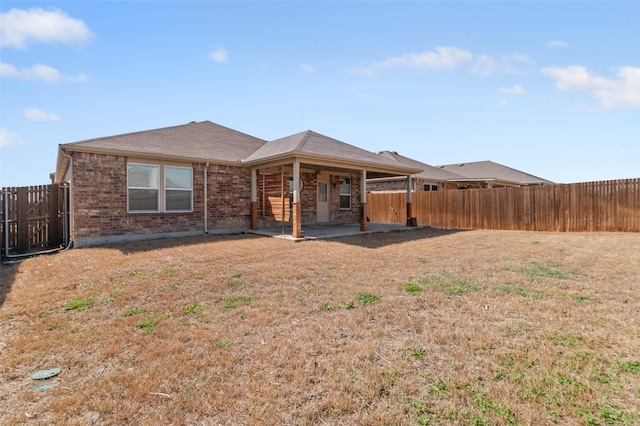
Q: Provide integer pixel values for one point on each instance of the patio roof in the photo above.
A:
(313, 148)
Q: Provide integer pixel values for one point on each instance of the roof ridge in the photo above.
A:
(304, 140)
(137, 132)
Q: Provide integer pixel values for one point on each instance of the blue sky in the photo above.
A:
(549, 88)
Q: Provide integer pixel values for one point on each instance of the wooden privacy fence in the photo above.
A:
(591, 206)
(32, 219)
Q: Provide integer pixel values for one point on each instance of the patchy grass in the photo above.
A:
(79, 304)
(415, 328)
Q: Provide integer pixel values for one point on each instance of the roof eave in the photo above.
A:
(326, 160)
(137, 154)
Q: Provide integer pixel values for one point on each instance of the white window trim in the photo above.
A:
(164, 173)
(349, 194)
(157, 188)
(161, 188)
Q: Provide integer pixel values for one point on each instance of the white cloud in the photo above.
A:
(484, 65)
(38, 72)
(439, 59)
(557, 43)
(8, 138)
(219, 55)
(308, 68)
(516, 90)
(19, 27)
(623, 93)
(36, 114)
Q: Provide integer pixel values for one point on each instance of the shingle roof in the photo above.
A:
(314, 144)
(205, 141)
(428, 172)
(488, 170)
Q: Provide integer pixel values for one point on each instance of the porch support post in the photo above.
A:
(254, 199)
(363, 202)
(411, 221)
(297, 208)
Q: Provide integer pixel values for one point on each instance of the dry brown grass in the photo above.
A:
(509, 328)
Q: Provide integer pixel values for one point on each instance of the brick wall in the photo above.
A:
(351, 215)
(99, 185)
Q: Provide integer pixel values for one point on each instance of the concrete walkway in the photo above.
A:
(330, 230)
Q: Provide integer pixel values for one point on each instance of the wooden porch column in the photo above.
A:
(363, 202)
(254, 199)
(411, 221)
(297, 208)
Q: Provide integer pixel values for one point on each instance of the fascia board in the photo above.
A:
(328, 161)
(136, 154)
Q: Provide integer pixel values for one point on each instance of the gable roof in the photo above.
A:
(202, 141)
(428, 172)
(488, 170)
(313, 147)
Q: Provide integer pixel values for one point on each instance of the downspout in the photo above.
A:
(206, 199)
(68, 220)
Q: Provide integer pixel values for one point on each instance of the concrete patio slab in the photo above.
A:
(330, 230)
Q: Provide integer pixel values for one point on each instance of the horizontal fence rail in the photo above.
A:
(579, 207)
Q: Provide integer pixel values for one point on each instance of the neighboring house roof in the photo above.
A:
(490, 171)
(194, 141)
(429, 173)
(314, 148)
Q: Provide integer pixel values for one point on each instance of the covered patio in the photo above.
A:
(333, 175)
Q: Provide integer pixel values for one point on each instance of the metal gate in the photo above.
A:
(35, 219)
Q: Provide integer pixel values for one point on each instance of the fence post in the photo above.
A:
(54, 235)
(22, 201)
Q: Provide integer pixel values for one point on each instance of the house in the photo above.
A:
(487, 174)
(479, 174)
(429, 179)
(205, 178)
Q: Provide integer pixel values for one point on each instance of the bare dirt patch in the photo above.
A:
(420, 327)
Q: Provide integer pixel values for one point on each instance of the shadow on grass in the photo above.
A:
(382, 239)
(164, 243)
(7, 276)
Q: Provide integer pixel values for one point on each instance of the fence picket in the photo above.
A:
(588, 206)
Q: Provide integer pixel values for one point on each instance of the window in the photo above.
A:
(345, 193)
(428, 187)
(178, 184)
(152, 188)
(144, 187)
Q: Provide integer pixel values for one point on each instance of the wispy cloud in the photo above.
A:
(38, 72)
(442, 58)
(19, 27)
(620, 93)
(308, 68)
(516, 90)
(36, 114)
(219, 55)
(8, 138)
(557, 43)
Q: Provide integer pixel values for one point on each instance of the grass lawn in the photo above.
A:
(409, 328)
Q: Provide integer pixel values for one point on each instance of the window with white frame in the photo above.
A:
(345, 194)
(155, 188)
(178, 186)
(143, 181)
